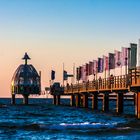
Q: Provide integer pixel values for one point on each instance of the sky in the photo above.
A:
(54, 32)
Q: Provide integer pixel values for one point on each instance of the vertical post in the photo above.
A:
(105, 102)
(40, 80)
(119, 103)
(96, 71)
(63, 74)
(25, 99)
(105, 73)
(129, 56)
(85, 101)
(13, 101)
(137, 105)
(57, 99)
(78, 99)
(73, 78)
(95, 101)
(54, 99)
(134, 99)
(109, 71)
(121, 69)
(72, 100)
(126, 64)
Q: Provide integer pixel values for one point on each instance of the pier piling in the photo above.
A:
(57, 99)
(13, 100)
(137, 105)
(54, 99)
(85, 100)
(119, 108)
(25, 99)
(72, 100)
(105, 102)
(78, 100)
(94, 101)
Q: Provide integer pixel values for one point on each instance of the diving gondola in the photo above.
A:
(25, 81)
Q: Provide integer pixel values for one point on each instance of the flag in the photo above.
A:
(95, 66)
(52, 75)
(84, 77)
(106, 63)
(90, 68)
(117, 59)
(100, 65)
(69, 75)
(111, 61)
(80, 72)
(77, 74)
(87, 69)
(133, 55)
(65, 77)
(124, 56)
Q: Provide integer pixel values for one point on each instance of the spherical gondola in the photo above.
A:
(25, 80)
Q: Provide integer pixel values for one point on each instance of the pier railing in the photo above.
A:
(126, 83)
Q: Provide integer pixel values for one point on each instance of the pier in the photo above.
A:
(119, 85)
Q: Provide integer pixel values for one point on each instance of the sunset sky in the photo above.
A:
(54, 32)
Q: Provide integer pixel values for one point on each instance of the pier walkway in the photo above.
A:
(119, 85)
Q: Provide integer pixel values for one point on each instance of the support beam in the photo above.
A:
(25, 99)
(137, 105)
(57, 99)
(85, 100)
(54, 99)
(95, 101)
(78, 99)
(135, 94)
(119, 103)
(72, 100)
(105, 102)
(13, 100)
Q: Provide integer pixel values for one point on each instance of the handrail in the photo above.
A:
(111, 83)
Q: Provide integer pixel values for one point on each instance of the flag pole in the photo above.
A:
(125, 66)
(73, 81)
(105, 73)
(63, 74)
(96, 73)
(109, 70)
(40, 79)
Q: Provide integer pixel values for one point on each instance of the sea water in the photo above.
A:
(42, 120)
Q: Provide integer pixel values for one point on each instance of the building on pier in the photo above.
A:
(25, 81)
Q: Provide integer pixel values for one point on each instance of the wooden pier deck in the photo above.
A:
(119, 85)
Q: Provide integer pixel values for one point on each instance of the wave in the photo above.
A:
(81, 126)
(61, 126)
(84, 129)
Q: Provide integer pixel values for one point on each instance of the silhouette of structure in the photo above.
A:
(25, 81)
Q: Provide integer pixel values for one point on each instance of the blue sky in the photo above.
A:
(57, 31)
(70, 19)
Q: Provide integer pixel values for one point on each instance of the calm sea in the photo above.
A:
(41, 120)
